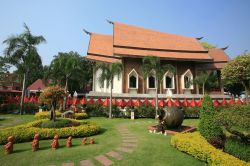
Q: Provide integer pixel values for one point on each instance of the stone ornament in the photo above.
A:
(84, 141)
(35, 142)
(92, 141)
(8, 148)
(69, 142)
(54, 143)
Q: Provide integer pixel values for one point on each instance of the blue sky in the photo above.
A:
(220, 22)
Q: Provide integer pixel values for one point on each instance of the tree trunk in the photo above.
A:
(246, 86)
(110, 99)
(65, 97)
(23, 93)
(156, 100)
(143, 88)
(203, 89)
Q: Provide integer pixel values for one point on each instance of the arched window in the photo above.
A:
(151, 82)
(133, 80)
(187, 80)
(168, 81)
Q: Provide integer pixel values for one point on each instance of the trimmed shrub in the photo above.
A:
(29, 108)
(80, 116)
(116, 112)
(238, 149)
(46, 114)
(144, 111)
(59, 123)
(236, 120)
(208, 125)
(26, 132)
(95, 110)
(195, 145)
(191, 112)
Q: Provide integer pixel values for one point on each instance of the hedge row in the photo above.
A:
(46, 114)
(26, 132)
(195, 145)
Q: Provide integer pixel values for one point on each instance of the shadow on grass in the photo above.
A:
(102, 130)
(21, 150)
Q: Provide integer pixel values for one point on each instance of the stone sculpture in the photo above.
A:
(8, 148)
(84, 141)
(35, 142)
(69, 142)
(54, 143)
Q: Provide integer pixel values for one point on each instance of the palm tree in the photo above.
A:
(151, 65)
(21, 52)
(109, 71)
(201, 80)
(64, 67)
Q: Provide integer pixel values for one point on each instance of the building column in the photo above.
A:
(176, 80)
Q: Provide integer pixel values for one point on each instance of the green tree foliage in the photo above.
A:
(51, 96)
(109, 71)
(237, 70)
(4, 66)
(21, 52)
(207, 45)
(152, 65)
(208, 126)
(233, 88)
(69, 70)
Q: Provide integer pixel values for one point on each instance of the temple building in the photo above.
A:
(130, 44)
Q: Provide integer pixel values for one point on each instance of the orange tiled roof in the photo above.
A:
(131, 36)
(132, 41)
(37, 85)
(218, 55)
(101, 44)
(103, 59)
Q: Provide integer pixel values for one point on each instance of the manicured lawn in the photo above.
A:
(7, 120)
(152, 149)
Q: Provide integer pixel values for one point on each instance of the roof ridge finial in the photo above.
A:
(111, 22)
(224, 48)
(87, 32)
(199, 38)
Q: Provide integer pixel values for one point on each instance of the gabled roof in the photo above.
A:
(37, 85)
(132, 41)
(136, 37)
(100, 44)
(218, 55)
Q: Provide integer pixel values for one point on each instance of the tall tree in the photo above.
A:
(21, 52)
(69, 70)
(237, 70)
(109, 71)
(151, 65)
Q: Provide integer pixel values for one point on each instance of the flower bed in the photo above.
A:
(45, 115)
(26, 132)
(195, 145)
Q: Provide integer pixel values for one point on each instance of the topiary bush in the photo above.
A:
(46, 115)
(80, 116)
(191, 112)
(95, 110)
(238, 149)
(195, 145)
(26, 132)
(59, 123)
(208, 125)
(236, 121)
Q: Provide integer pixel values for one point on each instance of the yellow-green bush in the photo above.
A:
(45, 115)
(26, 132)
(196, 145)
(81, 115)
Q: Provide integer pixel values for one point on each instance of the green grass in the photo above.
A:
(152, 149)
(7, 120)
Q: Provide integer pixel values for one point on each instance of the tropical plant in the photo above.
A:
(151, 65)
(3, 65)
(67, 70)
(21, 52)
(51, 96)
(201, 79)
(237, 70)
(109, 71)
